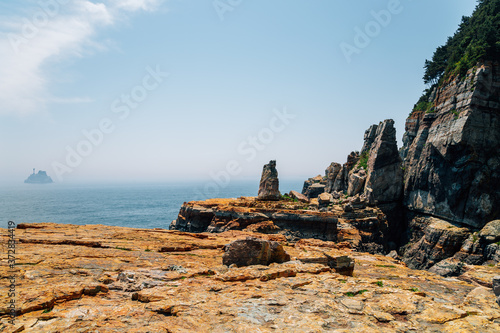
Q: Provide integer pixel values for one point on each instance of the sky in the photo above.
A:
(177, 90)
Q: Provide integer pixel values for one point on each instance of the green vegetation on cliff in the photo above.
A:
(477, 39)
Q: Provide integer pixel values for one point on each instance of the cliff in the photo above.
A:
(452, 153)
(98, 278)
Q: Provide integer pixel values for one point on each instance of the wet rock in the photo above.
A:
(254, 251)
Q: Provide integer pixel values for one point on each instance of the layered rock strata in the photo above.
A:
(98, 278)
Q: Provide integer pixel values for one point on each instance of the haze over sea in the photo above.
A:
(139, 205)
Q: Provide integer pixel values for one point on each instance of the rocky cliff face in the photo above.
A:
(452, 154)
(452, 174)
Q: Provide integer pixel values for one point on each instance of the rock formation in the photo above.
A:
(112, 279)
(254, 251)
(38, 178)
(452, 155)
(452, 171)
(385, 176)
(269, 183)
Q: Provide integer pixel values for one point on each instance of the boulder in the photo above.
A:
(254, 251)
(324, 199)
(490, 233)
(357, 180)
(269, 183)
(448, 267)
(341, 264)
(315, 190)
(299, 196)
(318, 179)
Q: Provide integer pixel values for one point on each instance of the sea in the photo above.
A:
(136, 205)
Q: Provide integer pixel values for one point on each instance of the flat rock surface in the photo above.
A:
(98, 278)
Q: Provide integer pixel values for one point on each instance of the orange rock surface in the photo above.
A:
(98, 278)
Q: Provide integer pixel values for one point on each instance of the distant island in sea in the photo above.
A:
(38, 178)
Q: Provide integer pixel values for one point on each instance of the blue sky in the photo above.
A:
(151, 90)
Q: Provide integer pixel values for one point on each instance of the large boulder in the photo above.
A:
(357, 180)
(315, 190)
(385, 174)
(254, 251)
(269, 183)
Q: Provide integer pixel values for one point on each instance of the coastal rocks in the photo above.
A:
(299, 196)
(64, 287)
(331, 174)
(452, 156)
(254, 251)
(357, 180)
(439, 240)
(385, 176)
(369, 138)
(269, 183)
(315, 190)
(343, 265)
(325, 199)
(309, 182)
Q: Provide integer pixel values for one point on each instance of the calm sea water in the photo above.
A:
(126, 205)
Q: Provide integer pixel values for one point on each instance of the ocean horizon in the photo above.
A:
(136, 205)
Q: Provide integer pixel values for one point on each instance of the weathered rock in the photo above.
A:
(269, 183)
(385, 175)
(254, 251)
(324, 199)
(439, 240)
(342, 264)
(318, 179)
(496, 285)
(357, 180)
(315, 190)
(452, 157)
(299, 196)
(331, 174)
(63, 280)
(448, 267)
(369, 137)
(490, 233)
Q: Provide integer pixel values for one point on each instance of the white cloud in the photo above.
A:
(50, 33)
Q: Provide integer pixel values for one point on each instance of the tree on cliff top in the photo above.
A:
(477, 39)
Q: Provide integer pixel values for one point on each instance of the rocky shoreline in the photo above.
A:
(98, 278)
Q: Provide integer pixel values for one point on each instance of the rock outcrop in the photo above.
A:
(452, 155)
(269, 183)
(385, 174)
(97, 278)
(361, 226)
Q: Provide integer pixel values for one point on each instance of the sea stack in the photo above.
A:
(269, 183)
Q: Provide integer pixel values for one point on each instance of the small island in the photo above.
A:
(38, 178)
